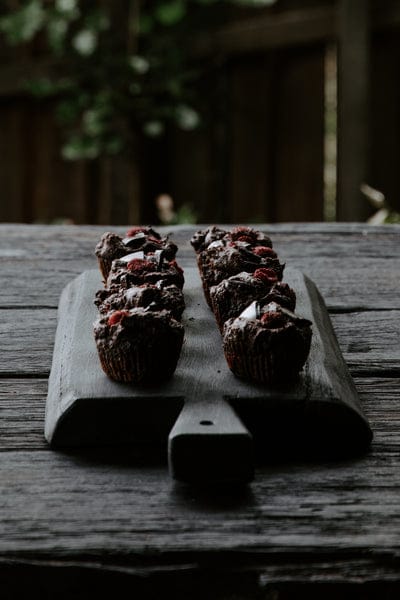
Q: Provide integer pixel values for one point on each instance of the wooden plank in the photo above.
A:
(12, 172)
(297, 523)
(331, 511)
(22, 407)
(80, 400)
(312, 241)
(385, 116)
(41, 144)
(22, 411)
(351, 291)
(287, 26)
(14, 73)
(363, 350)
(197, 166)
(371, 257)
(51, 276)
(260, 33)
(360, 287)
(385, 16)
(33, 168)
(125, 189)
(336, 233)
(353, 109)
(69, 192)
(252, 139)
(358, 335)
(26, 340)
(299, 136)
(100, 209)
(274, 145)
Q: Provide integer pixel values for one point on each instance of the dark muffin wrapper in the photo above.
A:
(140, 346)
(266, 357)
(132, 365)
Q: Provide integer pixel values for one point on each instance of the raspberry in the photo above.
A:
(174, 264)
(138, 266)
(243, 234)
(134, 230)
(154, 240)
(116, 317)
(264, 252)
(266, 275)
(273, 319)
(245, 238)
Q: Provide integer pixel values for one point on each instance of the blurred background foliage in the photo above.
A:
(111, 82)
(130, 111)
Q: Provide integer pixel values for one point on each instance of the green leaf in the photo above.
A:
(186, 214)
(146, 24)
(175, 87)
(23, 24)
(153, 128)
(67, 111)
(85, 42)
(56, 34)
(135, 88)
(93, 122)
(66, 5)
(186, 117)
(171, 12)
(66, 9)
(139, 64)
(114, 145)
(42, 87)
(80, 147)
(254, 2)
(97, 20)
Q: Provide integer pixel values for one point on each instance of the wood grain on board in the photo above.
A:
(77, 519)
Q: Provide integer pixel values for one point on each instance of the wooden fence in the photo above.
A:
(262, 157)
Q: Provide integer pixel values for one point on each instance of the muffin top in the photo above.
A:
(244, 235)
(154, 296)
(112, 246)
(270, 318)
(136, 326)
(136, 269)
(219, 262)
(237, 291)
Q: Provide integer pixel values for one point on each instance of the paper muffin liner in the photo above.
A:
(278, 360)
(130, 364)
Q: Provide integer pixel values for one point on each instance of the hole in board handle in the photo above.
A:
(206, 422)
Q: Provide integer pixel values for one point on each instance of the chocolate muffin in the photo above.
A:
(202, 239)
(134, 270)
(155, 297)
(250, 236)
(267, 343)
(219, 262)
(112, 247)
(232, 295)
(138, 345)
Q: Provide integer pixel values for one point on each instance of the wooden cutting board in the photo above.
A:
(216, 425)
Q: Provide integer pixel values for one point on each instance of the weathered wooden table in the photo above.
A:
(76, 525)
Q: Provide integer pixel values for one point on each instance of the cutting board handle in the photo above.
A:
(210, 444)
